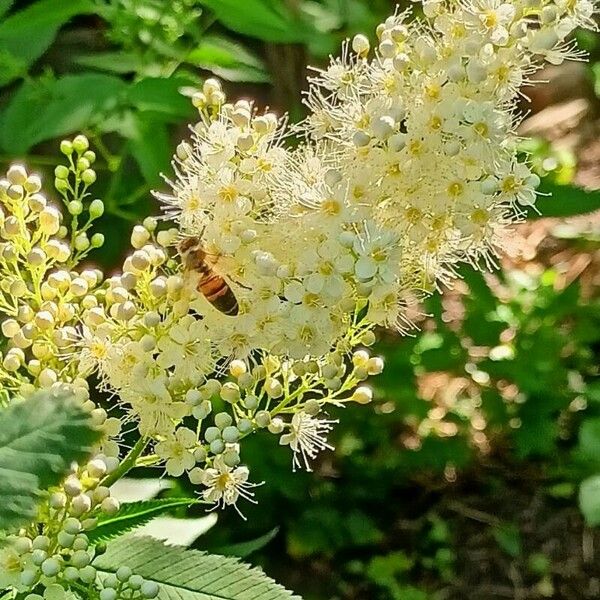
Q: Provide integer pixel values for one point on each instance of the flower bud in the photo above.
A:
(110, 506)
(72, 486)
(237, 368)
(80, 144)
(17, 175)
(97, 240)
(263, 418)
(61, 172)
(75, 207)
(276, 426)
(83, 164)
(37, 202)
(375, 365)
(139, 236)
(82, 242)
(81, 504)
(10, 328)
(47, 378)
(230, 392)
(362, 395)
(96, 209)
(44, 320)
(96, 468)
(361, 45)
(66, 147)
(49, 220)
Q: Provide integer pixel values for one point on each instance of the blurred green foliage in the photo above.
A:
(502, 384)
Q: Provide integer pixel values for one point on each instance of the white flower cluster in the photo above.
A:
(423, 134)
(408, 167)
(249, 314)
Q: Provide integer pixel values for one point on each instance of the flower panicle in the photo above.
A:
(407, 168)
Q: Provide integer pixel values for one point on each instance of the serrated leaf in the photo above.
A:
(268, 20)
(39, 440)
(184, 574)
(60, 106)
(27, 34)
(132, 515)
(244, 549)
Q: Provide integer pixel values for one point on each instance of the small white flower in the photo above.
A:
(177, 451)
(306, 438)
(225, 485)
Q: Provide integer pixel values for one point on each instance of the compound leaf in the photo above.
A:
(132, 515)
(184, 574)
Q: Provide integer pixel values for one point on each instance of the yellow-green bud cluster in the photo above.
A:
(55, 552)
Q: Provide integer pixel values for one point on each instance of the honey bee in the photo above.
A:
(210, 284)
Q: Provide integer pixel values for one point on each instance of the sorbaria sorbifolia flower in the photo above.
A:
(253, 308)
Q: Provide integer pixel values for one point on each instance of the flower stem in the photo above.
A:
(127, 463)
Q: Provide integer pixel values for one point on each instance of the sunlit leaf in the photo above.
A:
(60, 106)
(132, 515)
(268, 20)
(39, 440)
(188, 574)
(228, 60)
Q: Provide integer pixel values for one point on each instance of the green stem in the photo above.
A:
(127, 464)
(147, 461)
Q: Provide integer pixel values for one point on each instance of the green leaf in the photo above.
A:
(228, 60)
(151, 148)
(44, 109)
(5, 6)
(113, 62)
(132, 515)
(385, 570)
(589, 500)
(268, 20)
(26, 35)
(539, 429)
(189, 574)
(564, 201)
(589, 439)
(244, 549)
(39, 440)
(508, 537)
(160, 95)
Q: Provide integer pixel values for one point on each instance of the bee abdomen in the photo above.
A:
(216, 290)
